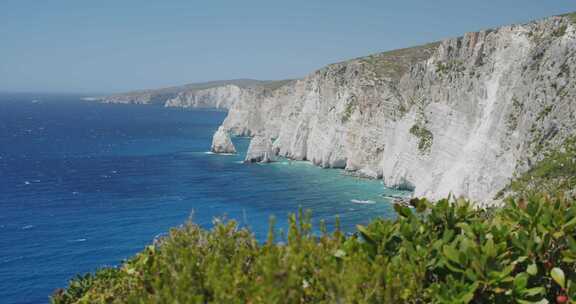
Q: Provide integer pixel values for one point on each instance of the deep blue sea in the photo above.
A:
(84, 185)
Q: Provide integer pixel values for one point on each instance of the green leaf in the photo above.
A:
(532, 269)
(470, 274)
(365, 233)
(402, 210)
(489, 248)
(520, 282)
(521, 259)
(453, 268)
(451, 253)
(558, 234)
(530, 292)
(543, 301)
(558, 275)
(570, 224)
(466, 228)
(571, 242)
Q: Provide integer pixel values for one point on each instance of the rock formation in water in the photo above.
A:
(260, 150)
(222, 143)
(460, 116)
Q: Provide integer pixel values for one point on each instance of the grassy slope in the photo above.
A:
(572, 16)
(393, 64)
(441, 253)
(555, 173)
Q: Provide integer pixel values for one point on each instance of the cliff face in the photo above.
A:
(219, 97)
(491, 101)
(462, 116)
(180, 94)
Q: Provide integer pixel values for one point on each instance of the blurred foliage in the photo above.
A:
(444, 252)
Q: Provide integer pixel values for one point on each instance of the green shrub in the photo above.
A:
(559, 32)
(524, 252)
(512, 118)
(425, 137)
(350, 107)
(443, 68)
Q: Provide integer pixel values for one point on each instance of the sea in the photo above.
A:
(85, 185)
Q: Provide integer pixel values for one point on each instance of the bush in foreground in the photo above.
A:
(524, 252)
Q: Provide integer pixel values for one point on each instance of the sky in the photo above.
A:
(116, 45)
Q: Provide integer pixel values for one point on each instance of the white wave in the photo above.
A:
(27, 227)
(192, 152)
(364, 202)
(212, 153)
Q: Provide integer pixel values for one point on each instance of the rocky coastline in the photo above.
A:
(462, 116)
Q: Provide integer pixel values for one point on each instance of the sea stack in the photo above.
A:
(260, 150)
(222, 143)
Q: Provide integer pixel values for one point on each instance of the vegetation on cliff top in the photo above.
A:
(390, 64)
(555, 173)
(571, 16)
(524, 252)
(393, 64)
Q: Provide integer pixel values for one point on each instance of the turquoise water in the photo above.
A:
(84, 185)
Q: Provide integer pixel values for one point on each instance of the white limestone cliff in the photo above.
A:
(461, 116)
(219, 97)
(198, 95)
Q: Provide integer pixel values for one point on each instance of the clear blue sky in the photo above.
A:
(116, 45)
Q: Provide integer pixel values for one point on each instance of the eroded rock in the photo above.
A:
(260, 150)
(222, 143)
